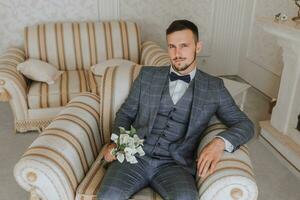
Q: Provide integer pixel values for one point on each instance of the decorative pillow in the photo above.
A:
(38, 70)
(99, 69)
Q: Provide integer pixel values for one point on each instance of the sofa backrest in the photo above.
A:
(115, 87)
(72, 46)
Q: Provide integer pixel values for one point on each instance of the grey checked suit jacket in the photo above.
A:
(210, 98)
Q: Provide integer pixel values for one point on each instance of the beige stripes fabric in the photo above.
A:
(90, 184)
(77, 44)
(234, 165)
(8, 63)
(114, 87)
(84, 125)
(108, 40)
(107, 102)
(44, 96)
(66, 149)
(154, 55)
(59, 46)
(125, 45)
(68, 137)
(70, 85)
(71, 46)
(94, 82)
(57, 158)
(92, 43)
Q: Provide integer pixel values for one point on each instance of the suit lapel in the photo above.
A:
(158, 83)
(200, 85)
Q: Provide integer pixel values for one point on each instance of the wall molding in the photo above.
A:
(229, 16)
(108, 10)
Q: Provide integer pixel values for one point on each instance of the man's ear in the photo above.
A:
(198, 47)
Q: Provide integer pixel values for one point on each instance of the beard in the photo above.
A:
(184, 66)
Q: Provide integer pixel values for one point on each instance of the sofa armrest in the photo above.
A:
(154, 55)
(13, 85)
(60, 157)
(233, 178)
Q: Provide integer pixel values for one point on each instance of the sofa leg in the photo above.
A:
(33, 195)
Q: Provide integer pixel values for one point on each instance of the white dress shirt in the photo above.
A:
(177, 89)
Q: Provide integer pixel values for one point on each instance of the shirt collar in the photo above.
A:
(192, 73)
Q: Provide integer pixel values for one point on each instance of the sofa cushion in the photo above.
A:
(38, 70)
(100, 68)
(68, 86)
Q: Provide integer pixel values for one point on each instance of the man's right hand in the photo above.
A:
(107, 152)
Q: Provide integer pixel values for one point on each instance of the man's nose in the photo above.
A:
(178, 52)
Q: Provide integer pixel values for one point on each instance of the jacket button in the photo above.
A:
(174, 109)
(171, 118)
(158, 144)
(168, 126)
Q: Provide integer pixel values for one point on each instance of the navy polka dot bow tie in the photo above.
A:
(175, 77)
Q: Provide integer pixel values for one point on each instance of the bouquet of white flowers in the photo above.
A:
(128, 144)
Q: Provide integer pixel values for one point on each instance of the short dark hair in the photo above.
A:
(183, 24)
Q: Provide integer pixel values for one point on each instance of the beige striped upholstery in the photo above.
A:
(75, 46)
(154, 55)
(115, 86)
(8, 63)
(58, 160)
(13, 81)
(233, 176)
(69, 85)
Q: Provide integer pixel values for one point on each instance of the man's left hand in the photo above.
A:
(210, 156)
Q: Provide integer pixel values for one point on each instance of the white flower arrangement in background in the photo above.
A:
(128, 144)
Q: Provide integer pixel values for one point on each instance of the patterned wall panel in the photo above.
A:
(16, 14)
(228, 28)
(154, 16)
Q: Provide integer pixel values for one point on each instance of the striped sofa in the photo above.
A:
(72, 48)
(65, 162)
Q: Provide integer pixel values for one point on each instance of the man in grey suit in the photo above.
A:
(170, 107)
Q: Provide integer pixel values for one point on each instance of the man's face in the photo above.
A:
(182, 49)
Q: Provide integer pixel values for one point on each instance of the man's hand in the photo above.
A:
(107, 152)
(210, 156)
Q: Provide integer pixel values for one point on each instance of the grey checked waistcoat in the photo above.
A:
(170, 124)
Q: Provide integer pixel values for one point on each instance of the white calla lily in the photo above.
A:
(120, 157)
(124, 138)
(114, 137)
(140, 151)
(131, 159)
